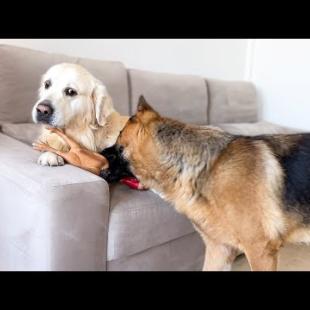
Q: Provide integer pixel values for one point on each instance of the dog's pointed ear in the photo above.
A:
(103, 104)
(145, 112)
(143, 105)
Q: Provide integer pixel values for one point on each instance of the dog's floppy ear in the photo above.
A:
(103, 104)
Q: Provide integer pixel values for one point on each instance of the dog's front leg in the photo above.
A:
(49, 158)
(218, 257)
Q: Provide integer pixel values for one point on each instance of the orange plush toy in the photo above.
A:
(109, 164)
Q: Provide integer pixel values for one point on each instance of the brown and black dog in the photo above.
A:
(249, 194)
(241, 193)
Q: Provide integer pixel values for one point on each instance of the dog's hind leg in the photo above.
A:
(263, 256)
(218, 257)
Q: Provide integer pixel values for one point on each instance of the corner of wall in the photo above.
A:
(249, 63)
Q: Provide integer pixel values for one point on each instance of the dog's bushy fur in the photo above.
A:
(241, 193)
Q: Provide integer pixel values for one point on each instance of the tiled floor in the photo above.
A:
(292, 258)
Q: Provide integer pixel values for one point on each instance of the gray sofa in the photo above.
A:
(64, 218)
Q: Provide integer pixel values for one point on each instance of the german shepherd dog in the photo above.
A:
(249, 194)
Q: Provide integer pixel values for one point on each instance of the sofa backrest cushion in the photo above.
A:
(183, 97)
(20, 75)
(231, 102)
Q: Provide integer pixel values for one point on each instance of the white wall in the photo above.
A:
(213, 58)
(281, 71)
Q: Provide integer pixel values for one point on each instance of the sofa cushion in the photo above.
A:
(259, 128)
(18, 163)
(182, 254)
(140, 220)
(26, 133)
(183, 97)
(231, 102)
(20, 74)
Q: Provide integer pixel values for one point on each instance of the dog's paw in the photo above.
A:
(50, 159)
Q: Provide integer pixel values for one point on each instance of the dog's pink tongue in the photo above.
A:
(132, 183)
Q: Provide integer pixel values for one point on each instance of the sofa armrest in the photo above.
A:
(51, 218)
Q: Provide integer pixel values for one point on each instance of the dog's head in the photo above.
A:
(69, 94)
(139, 131)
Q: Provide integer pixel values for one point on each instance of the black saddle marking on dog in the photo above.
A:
(296, 166)
(293, 154)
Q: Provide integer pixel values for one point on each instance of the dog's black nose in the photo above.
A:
(44, 108)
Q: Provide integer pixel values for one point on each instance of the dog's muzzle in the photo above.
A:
(118, 166)
(44, 112)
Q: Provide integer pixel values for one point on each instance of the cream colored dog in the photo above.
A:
(74, 100)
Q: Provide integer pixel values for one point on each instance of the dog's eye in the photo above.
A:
(47, 84)
(70, 92)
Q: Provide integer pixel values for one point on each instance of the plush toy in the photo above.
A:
(110, 165)
(133, 183)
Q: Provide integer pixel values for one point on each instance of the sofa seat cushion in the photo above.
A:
(182, 254)
(140, 220)
(26, 133)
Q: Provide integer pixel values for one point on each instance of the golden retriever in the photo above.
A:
(71, 98)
